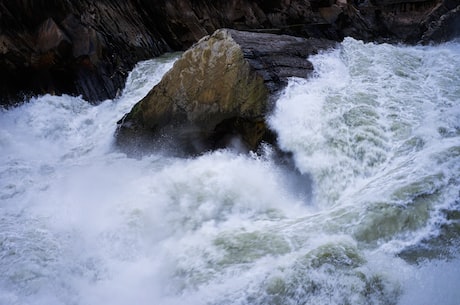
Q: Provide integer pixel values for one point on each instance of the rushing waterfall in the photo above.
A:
(372, 215)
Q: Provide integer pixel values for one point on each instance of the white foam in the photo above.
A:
(433, 283)
(83, 224)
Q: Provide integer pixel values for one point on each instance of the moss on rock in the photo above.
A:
(210, 84)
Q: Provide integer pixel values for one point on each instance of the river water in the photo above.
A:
(370, 216)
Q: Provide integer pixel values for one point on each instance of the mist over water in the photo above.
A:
(372, 218)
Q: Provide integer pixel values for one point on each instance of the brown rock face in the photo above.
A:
(218, 92)
(209, 84)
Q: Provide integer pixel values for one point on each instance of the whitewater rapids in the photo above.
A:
(376, 131)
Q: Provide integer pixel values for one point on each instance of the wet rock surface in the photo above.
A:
(75, 47)
(88, 47)
(278, 57)
(219, 92)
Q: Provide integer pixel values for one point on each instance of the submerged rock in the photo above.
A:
(218, 93)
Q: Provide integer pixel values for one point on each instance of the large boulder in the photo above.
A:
(218, 92)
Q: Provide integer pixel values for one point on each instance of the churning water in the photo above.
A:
(376, 131)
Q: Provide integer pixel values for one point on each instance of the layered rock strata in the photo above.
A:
(75, 47)
(218, 93)
(88, 47)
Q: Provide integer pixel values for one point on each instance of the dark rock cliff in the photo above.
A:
(87, 47)
(74, 47)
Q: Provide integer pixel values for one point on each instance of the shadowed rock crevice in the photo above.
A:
(79, 48)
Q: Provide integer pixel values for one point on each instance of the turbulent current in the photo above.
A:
(371, 215)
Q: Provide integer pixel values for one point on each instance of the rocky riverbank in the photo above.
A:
(87, 47)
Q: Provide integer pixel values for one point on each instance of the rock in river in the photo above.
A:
(218, 93)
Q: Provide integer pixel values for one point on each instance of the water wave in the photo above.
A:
(370, 216)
